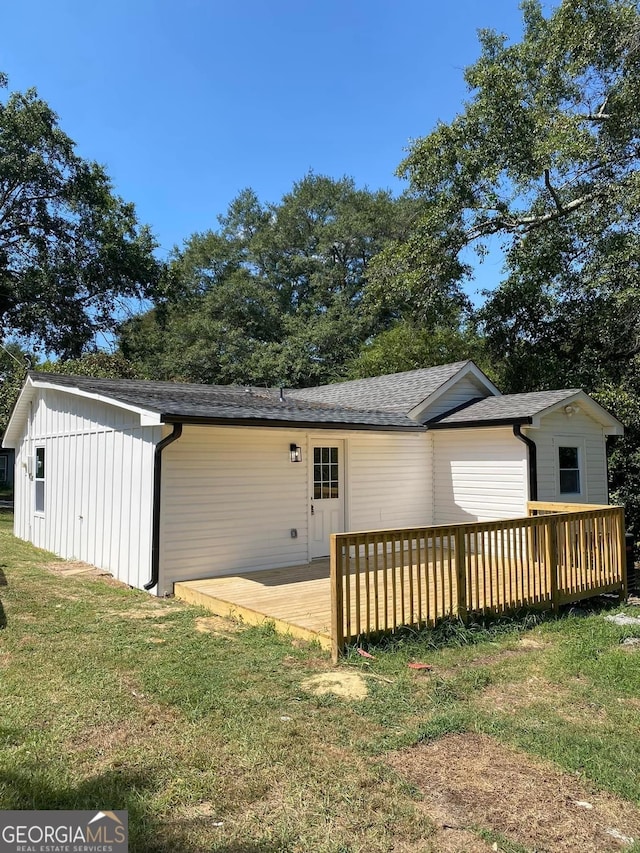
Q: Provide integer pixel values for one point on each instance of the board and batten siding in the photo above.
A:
(479, 475)
(97, 488)
(558, 430)
(231, 495)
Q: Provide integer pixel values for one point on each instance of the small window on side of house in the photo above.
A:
(569, 468)
(4, 470)
(39, 479)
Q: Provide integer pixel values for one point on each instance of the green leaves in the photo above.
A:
(69, 248)
(276, 295)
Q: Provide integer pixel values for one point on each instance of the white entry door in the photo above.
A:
(327, 496)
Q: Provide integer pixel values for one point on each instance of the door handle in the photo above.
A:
(312, 510)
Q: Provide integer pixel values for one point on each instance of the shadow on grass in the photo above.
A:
(149, 832)
(480, 628)
(3, 582)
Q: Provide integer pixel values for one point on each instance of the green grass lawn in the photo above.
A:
(112, 699)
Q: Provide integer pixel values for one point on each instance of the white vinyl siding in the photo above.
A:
(230, 496)
(557, 430)
(390, 480)
(97, 488)
(465, 389)
(479, 475)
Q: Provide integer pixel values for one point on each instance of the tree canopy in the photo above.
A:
(276, 295)
(543, 157)
(542, 163)
(69, 248)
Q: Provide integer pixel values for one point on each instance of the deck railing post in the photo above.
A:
(461, 574)
(622, 553)
(337, 606)
(551, 558)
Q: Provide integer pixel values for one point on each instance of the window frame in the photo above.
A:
(39, 480)
(330, 475)
(566, 443)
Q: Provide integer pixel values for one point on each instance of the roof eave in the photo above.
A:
(478, 423)
(281, 423)
(11, 437)
(20, 410)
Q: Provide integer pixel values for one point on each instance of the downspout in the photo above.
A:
(532, 452)
(157, 491)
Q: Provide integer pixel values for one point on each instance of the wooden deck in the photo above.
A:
(378, 581)
(297, 599)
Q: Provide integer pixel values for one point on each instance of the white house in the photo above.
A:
(158, 482)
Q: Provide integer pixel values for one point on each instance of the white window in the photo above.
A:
(569, 470)
(39, 479)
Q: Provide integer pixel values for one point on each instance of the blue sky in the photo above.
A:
(186, 103)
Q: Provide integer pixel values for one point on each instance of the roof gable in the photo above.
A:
(526, 408)
(394, 392)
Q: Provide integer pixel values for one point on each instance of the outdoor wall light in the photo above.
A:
(295, 453)
(571, 409)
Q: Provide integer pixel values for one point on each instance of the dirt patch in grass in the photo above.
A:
(75, 568)
(471, 782)
(135, 614)
(533, 643)
(345, 685)
(511, 697)
(217, 625)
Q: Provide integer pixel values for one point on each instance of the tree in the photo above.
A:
(276, 295)
(549, 140)
(542, 163)
(70, 249)
(14, 363)
(408, 346)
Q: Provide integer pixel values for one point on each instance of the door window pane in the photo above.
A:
(325, 473)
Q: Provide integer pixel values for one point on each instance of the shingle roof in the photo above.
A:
(396, 392)
(227, 403)
(510, 408)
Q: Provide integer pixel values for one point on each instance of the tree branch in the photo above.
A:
(552, 192)
(528, 223)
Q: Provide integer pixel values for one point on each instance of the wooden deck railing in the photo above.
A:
(383, 579)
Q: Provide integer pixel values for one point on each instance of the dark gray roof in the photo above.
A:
(175, 401)
(510, 408)
(396, 392)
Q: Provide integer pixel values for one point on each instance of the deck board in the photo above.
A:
(297, 598)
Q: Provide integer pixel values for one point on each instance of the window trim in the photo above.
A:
(37, 480)
(576, 444)
(328, 469)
